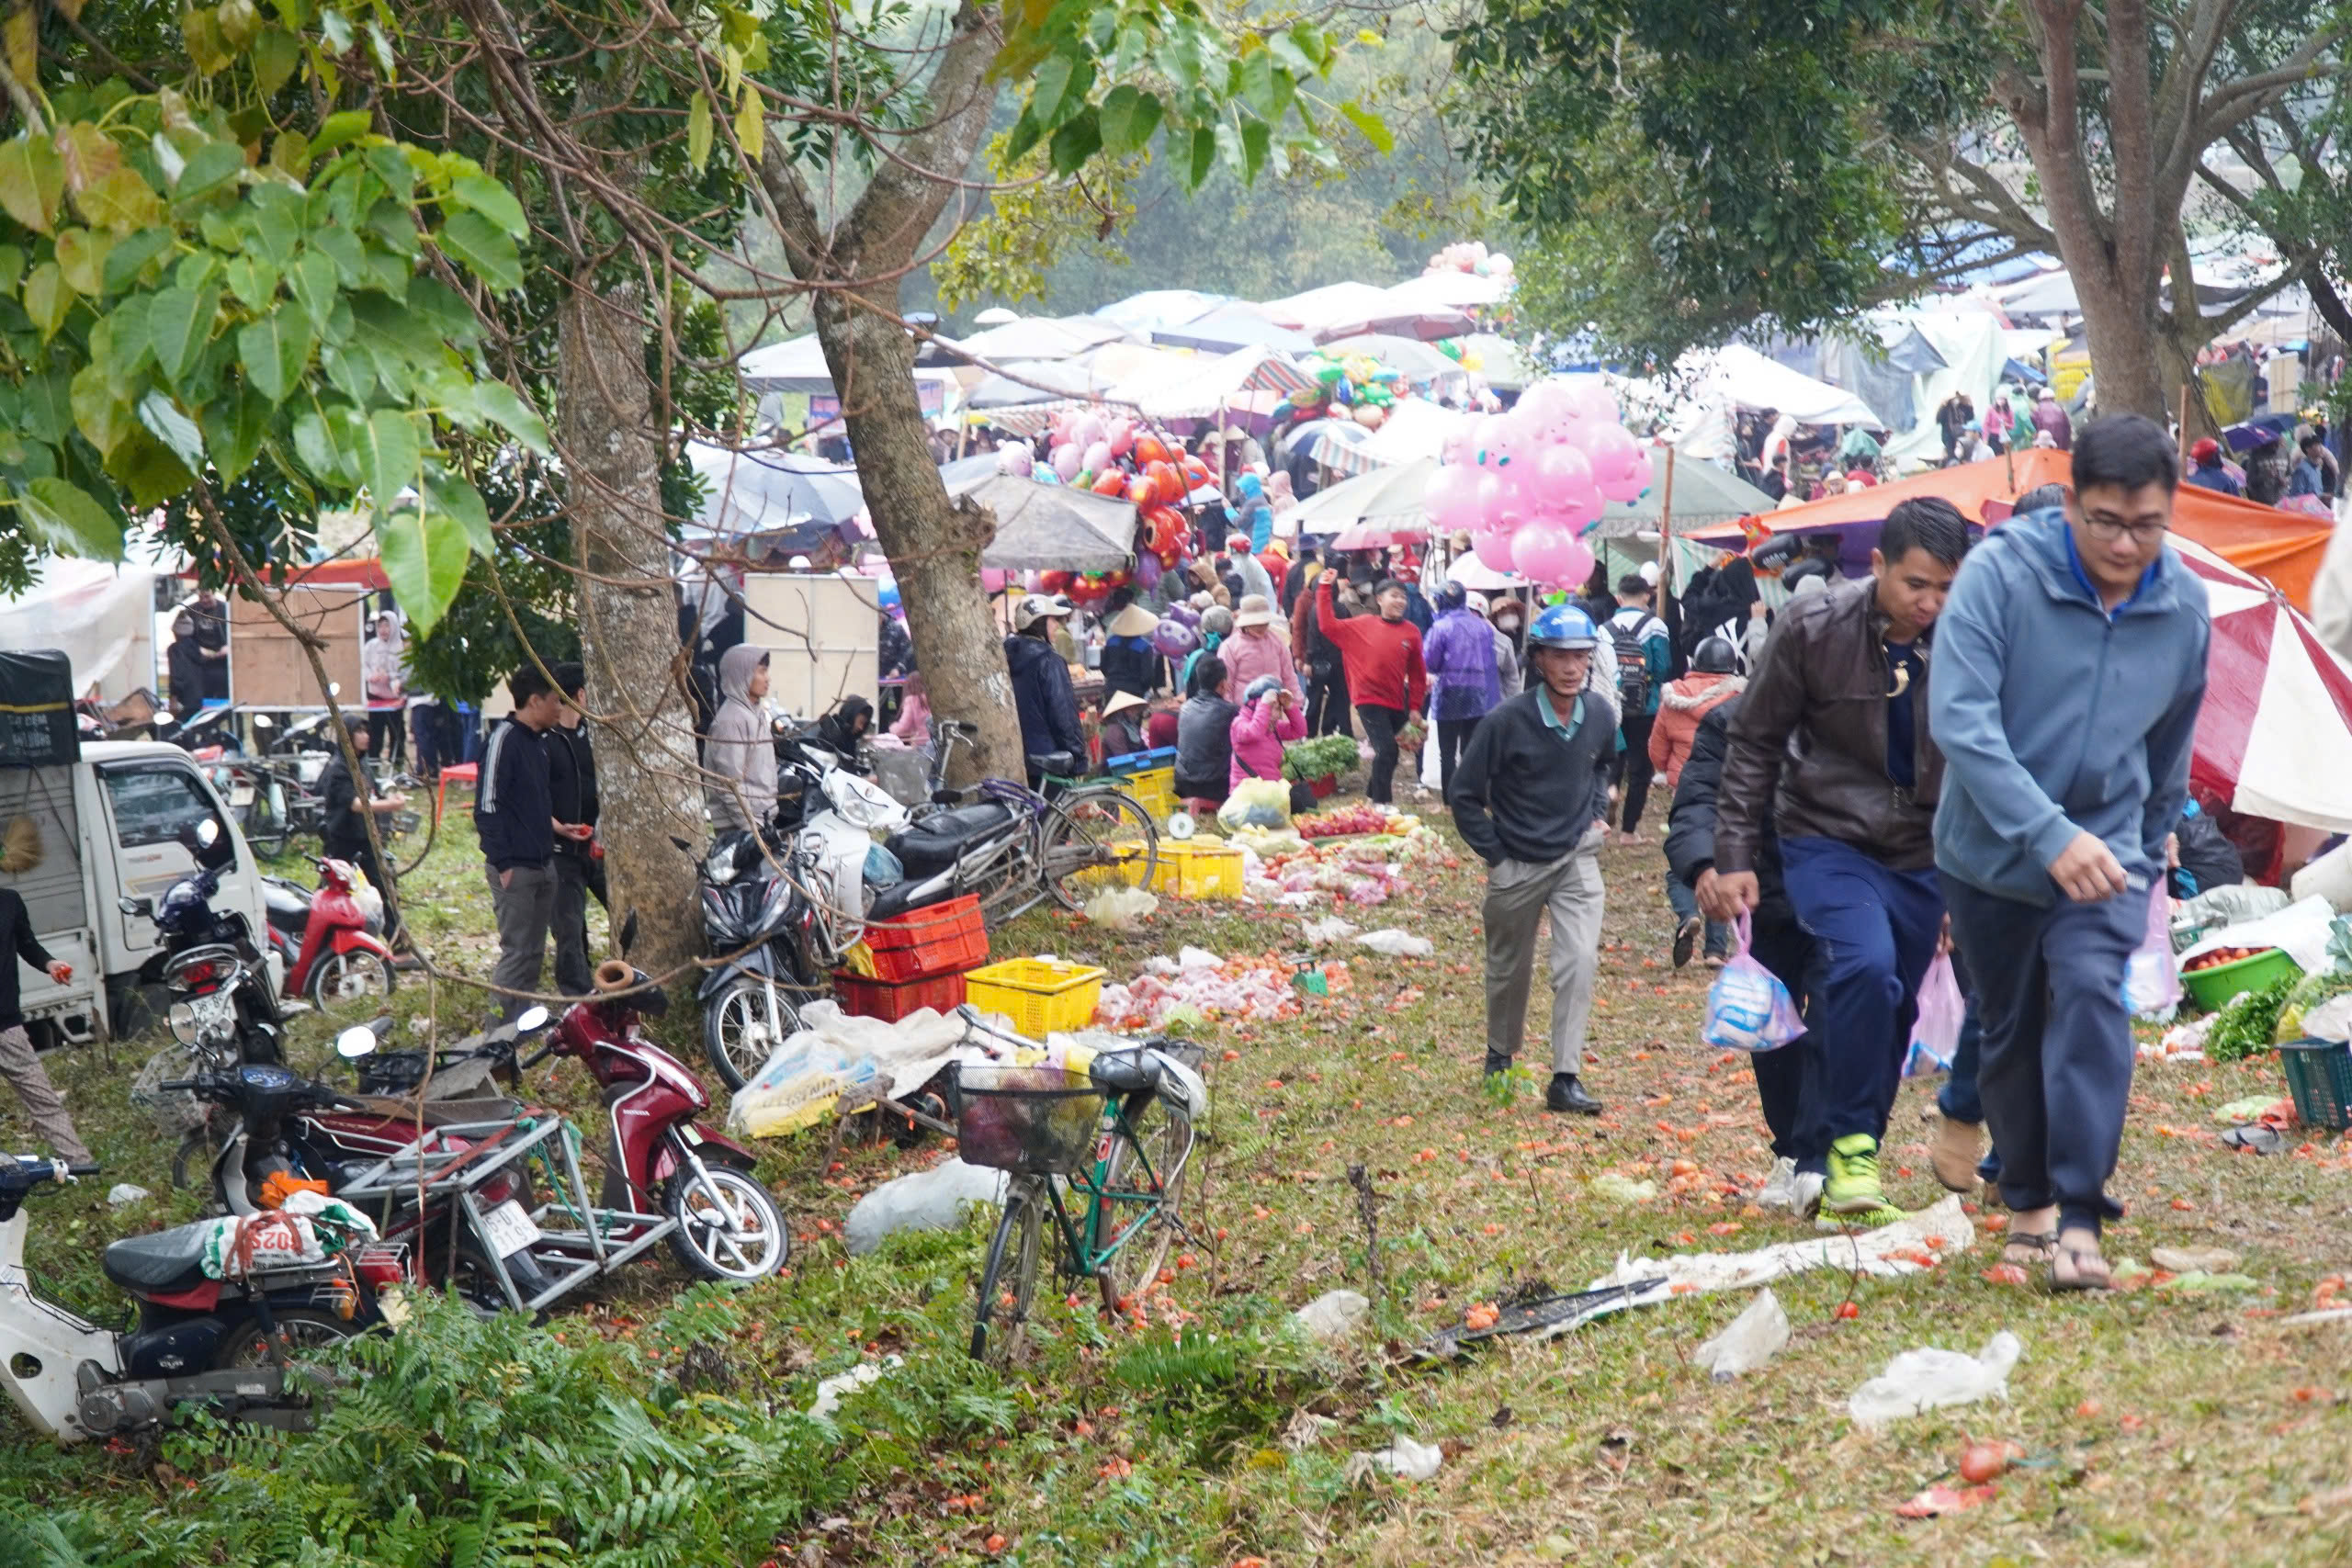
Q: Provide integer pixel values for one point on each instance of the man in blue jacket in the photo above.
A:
(1042, 694)
(2070, 665)
(515, 815)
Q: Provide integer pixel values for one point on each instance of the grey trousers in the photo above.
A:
(573, 973)
(526, 908)
(1517, 894)
(22, 1067)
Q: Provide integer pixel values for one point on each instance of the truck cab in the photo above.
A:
(110, 827)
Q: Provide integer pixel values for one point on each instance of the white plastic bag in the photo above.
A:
(1747, 1341)
(1935, 1034)
(2152, 976)
(1396, 943)
(1122, 909)
(929, 1200)
(1747, 1008)
(1926, 1379)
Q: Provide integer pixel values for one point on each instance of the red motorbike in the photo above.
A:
(344, 968)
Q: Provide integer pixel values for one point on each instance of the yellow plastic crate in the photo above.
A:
(1154, 789)
(1039, 995)
(1191, 870)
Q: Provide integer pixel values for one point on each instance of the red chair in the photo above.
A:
(469, 773)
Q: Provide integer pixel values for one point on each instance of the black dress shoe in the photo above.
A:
(1566, 1093)
(1686, 940)
(1497, 1062)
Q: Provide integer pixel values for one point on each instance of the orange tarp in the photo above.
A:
(2282, 548)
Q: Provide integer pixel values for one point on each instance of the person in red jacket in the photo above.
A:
(1386, 680)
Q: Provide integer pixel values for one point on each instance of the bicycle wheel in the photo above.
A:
(1097, 838)
(1009, 1280)
(267, 834)
(1165, 1136)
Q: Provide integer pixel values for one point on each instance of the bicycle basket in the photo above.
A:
(1029, 1120)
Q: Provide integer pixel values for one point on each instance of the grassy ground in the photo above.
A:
(2168, 1428)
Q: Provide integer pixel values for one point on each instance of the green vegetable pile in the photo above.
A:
(2248, 1021)
(1324, 756)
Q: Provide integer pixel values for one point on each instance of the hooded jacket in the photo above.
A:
(739, 754)
(1259, 731)
(1044, 698)
(1681, 707)
(1459, 654)
(2056, 718)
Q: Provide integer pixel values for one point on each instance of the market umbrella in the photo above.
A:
(1379, 535)
(1350, 309)
(1416, 360)
(1390, 496)
(1317, 437)
(767, 492)
(1704, 495)
(2273, 737)
(1501, 362)
(1450, 287)
(1029, 337)
(1042, 527)
(1233, 326)
(1157, 308)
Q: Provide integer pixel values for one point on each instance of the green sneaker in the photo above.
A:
(1852, 1196)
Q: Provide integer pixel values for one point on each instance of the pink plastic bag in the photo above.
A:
(2152, 976)
(1747, 1008)
(1935, 1034)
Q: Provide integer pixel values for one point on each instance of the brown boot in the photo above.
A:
(1955, 1148)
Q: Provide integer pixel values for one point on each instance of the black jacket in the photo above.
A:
(1691, 823)
(1132, 664)
(514, 813)
(1044, 697)
(16, 940)
(1519, 794)
(571, 782)
(345, 834)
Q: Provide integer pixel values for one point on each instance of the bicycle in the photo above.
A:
(1085, 837)
(1137, 1112)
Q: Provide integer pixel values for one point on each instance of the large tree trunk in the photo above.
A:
(648, 784)
(934, 545)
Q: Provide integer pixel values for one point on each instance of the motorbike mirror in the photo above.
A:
(263, 721)
(532, 1019)
(131, 906)
(354, 1042)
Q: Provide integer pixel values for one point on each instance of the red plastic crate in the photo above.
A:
(939, 938)
(893, 1001)
(1323, 787)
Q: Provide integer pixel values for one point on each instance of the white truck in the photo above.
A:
(109, 827)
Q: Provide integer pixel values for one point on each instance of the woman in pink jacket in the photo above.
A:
(1269, 718)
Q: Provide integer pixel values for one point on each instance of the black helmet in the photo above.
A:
(1716, 656)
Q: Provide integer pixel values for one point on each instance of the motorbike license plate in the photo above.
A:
(510, 1228)
(241, 794)
(217, 1009)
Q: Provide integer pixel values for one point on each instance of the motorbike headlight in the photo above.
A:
(182, 1019)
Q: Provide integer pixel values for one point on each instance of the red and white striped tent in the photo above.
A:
(2275, 737)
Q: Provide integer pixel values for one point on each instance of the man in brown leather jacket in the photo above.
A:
(1832, 740)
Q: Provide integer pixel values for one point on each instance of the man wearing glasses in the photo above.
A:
(2070, 664)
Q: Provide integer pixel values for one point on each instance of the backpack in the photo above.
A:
(1632, 661)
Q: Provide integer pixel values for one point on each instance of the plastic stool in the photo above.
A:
(471, 773)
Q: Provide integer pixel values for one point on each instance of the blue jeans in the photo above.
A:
(1686, 907)
(1874, 931)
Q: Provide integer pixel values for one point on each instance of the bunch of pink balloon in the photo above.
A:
(1528, 484)
(1085, 445)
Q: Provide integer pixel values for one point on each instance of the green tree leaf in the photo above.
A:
(513, 414)
(147, 467)
(275, 53)
(313, 281)
(64, 518)
(32, 182)
(47, 298)
(495, 202)
(391, 460)
(121, 202)
(1204, 156)
(179, 324)
(275, 350)
(208, 168)
(1078, 139)
(234, 424)
(484, 249)
(751, 123)
(1128, 119)
(165, 422)
(1370, 126)
(338, 129)
(102, 414)
(423, 556)
(81, 257)
(253, 281)
(450, 495)
(699, 131)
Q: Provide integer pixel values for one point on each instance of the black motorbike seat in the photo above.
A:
(895, 900)
(933, 844)
(1124, 1072)
(164, 1263)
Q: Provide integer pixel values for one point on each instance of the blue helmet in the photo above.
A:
(1563, 626)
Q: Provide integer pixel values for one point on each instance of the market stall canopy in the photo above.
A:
(1502, 364)
(747, 494)
(1029, 338)
(1212, 386)
(1157, 308)
(1704, 495)
(2282, 548)
(1748, 379)
(797, 365)
(1042, 527)
(2273, 737)
(1450, 287)
(101, 616)
(1346, 310)
(1385, 496)
(1230, 327)
(1416, 360)
(1319, 438)
(1415, 429)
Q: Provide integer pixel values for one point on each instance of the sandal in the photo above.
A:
(2026, 1249)
(2075, 1266)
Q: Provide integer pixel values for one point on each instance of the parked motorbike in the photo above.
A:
(221, 1343)
(332, 952)
(222, 1006)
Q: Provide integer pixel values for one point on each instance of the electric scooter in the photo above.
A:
(222, 1344)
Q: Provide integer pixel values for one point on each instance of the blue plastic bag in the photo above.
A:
(1747, 1008)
